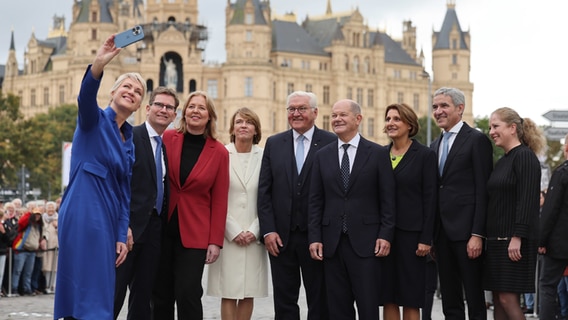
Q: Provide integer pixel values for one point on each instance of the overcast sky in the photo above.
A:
(518, 47)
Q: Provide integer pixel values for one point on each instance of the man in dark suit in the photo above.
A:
(147, 208)
(465, 163)
(282, 209)
(351, 215)
(553, 239)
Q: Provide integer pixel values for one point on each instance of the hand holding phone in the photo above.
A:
(128, 37)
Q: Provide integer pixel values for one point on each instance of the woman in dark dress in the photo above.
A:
(415, 168)
(512, 215)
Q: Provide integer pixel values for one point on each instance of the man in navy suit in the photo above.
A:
(283, 205)
(351, 215)
(147, 214)
(465, 163)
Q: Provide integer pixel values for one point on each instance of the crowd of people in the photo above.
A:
(28, 247)
(359, 225)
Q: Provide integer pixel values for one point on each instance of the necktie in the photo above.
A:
(345, 177)
(300, 152)
(445, 150)
(159, 174)
(345, 166)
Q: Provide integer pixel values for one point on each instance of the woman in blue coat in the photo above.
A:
(93, 219)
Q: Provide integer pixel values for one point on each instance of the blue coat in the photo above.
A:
(94, 210)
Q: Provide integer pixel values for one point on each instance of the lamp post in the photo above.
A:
(426, 75)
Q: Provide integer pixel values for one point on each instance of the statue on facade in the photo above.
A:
(170, 74)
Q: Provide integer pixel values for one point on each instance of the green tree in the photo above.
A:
(36, 143)
(10, 115)
(421, 136)
(482, 124)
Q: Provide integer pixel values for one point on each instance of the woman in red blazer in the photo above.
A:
(198, 172)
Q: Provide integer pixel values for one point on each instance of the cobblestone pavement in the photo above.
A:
(41, 307)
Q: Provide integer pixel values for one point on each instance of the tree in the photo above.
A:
(35, 143)
(421, 136)
(10, 115)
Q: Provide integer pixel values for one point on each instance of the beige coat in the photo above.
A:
(241, 272)
(50, 256)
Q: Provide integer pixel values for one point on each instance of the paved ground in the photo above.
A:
(41, 307)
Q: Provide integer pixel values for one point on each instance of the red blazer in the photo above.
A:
(202, 200)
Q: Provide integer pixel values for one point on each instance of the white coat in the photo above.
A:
(241, 272)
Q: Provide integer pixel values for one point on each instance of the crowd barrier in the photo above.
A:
(9, 263)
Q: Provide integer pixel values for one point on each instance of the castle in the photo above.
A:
(334, 55)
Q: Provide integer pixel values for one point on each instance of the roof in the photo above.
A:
(105, 15)
(290, 37)
(443, 36)
(313, 36)
(239, 12)
(59, 44)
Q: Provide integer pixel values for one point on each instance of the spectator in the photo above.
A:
(30, 239)
(241, 272)
(4, 245)
(465, 162)
(49, 266)
(11, 227)
(93, 218)
(512, 215)
(403, 281)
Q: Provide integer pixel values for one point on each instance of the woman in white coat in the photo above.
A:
(241, 273)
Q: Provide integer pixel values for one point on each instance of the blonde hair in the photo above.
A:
(211, 127)
(135, 76)
(527, 131)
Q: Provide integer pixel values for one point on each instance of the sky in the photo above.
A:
(518, 50)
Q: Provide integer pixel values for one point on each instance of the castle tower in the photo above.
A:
(451, 58)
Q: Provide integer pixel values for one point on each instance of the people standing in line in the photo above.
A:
(241, 271)
(403, 279)
(553, 239)
(465, 161)
(49, 266)
(198, 174)
(93, 218)
(512, 214)
(351, 215)
(283, 209)
(148, 205)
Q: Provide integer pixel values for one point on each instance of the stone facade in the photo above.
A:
(334, 55)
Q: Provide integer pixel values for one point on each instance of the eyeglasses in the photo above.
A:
(301, 110)
(160, 105)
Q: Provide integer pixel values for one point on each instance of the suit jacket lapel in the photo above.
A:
(462, 136)
(361, 158)
(408, 156)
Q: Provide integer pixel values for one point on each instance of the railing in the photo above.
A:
(50, 283)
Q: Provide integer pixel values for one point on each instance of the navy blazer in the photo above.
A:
(554, 215)
(416, 191)
(276, 192)
(369, 201)
(462, 187)
(144, 184)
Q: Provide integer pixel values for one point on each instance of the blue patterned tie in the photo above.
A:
(159, 174)
(445, 150)
(300, 153)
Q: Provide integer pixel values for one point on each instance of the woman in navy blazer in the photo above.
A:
(198, 173)
(414, 165)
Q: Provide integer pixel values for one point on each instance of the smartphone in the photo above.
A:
(129, 36)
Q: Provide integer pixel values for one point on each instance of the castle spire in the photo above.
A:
(328, 10)
(12, 44)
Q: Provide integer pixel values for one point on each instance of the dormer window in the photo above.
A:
(94, 16)
(249, 19)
